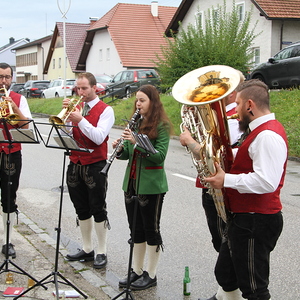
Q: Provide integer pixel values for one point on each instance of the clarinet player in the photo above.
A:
(152, 186)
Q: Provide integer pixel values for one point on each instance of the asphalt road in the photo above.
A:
(183, 224)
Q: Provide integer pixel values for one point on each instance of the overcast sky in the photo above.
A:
(35, 19)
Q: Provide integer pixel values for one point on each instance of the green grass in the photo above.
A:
(284, 103)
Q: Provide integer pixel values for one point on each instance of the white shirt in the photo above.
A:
(105, 123)
(233, 125)
(24, 107)
(269, 153)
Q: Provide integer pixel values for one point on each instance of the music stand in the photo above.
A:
(12, 136)
(143, 142)
(66, 142)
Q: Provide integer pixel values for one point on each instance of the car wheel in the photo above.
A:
(128, 93)
(43, 95)
(28, 95)
(259, 77)
(56, 95)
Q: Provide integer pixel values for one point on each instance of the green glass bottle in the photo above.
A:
(186, 282)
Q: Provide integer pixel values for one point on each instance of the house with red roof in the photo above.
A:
(128, 36)
(278, 21)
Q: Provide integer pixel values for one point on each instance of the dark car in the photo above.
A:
(16, 87)
(282, 70)
(34, 88)
(102, 82)
(127, 82)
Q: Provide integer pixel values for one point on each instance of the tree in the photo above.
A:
(224, 40)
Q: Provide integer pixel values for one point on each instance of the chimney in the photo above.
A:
(154, 8)
(11, 40)
(93, 20)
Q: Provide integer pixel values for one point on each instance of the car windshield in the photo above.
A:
(103, 79)
(40, 84)
(146, 74)
(70, 82)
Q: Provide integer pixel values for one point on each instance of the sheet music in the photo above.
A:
(143, 141)
(22, 135)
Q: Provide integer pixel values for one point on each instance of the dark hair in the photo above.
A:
(5, 66)
(89, 76)
(255, 90)
(156, 113)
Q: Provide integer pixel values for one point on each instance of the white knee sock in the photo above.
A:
(233, 295)
(12, 217)
(153, 258)
(101, 232)
(139, 251)
(86, 233)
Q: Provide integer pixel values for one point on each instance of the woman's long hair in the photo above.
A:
(156, 113)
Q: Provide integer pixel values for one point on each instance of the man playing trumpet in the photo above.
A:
(10, 172)
(87, 186)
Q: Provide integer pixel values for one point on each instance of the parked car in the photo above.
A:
(126, 82)
(34, 88)
(282, 70)
(102, 82)
(57, 88)
(16, 87)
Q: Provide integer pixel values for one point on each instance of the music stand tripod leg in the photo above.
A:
(56, 273)
(127, 290)
(9, 184)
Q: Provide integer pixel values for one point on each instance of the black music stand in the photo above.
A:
(12, 136)
(64, 141)
(143, 142)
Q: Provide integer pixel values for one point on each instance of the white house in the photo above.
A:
(30, 59)
(7, 54)
(278, 22)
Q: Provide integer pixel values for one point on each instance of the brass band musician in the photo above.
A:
(19, 107)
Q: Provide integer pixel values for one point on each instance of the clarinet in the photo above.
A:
(130, 125)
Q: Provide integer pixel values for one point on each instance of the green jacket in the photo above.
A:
(152, 178)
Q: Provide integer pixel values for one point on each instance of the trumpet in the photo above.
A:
(130, 125)
(6, 110)
(63, 116)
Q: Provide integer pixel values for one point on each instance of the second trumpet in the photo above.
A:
(63, 116)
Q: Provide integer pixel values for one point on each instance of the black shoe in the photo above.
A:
(144, 282)
(211, 298)
(11, 250)
(100, 261)
(133, 277)
(82, 256)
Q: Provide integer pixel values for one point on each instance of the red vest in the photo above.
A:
(268, 203)
(100, 151)
(16, 146)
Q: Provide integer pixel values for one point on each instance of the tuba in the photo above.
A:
(203, 113)
(6, 110)
(63, 116)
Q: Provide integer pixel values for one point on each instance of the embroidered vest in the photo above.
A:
(268, 203)
(16, 146)
(99, 151)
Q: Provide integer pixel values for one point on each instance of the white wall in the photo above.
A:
(107, 65)
(268, 39)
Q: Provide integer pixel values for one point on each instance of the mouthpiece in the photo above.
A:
(234, 116)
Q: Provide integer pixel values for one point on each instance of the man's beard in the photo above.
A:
(244, 123)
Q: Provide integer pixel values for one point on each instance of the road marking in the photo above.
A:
(184, 177)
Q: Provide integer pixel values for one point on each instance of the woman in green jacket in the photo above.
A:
(145, 178)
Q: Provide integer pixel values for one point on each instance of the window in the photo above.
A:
(100, 55)
(107, 53)
(256, 56)
(59, 63)
(285, 53)
(240, 8)
(53, 63)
